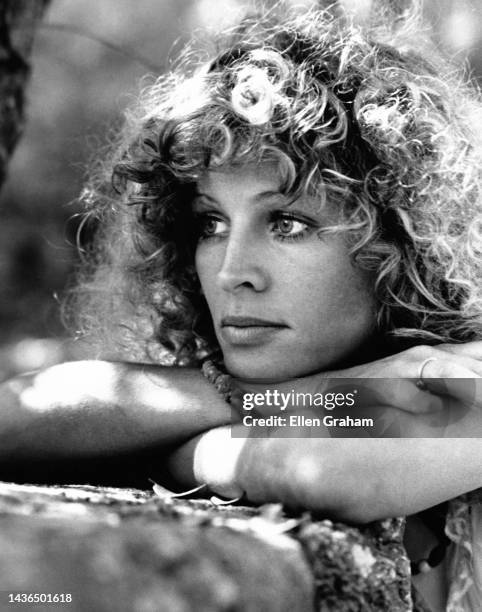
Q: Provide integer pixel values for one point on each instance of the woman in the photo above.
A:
(304, 205)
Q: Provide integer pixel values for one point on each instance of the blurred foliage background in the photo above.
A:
(87, 64)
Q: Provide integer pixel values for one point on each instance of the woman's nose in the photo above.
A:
(244, 265)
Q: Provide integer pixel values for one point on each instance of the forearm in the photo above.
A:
(94, 407)
(361, 480)
(356, 480)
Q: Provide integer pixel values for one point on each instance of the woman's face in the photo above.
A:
(285, 299)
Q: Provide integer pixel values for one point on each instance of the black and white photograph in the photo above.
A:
(241, 306)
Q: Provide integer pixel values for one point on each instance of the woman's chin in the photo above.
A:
(259, 369)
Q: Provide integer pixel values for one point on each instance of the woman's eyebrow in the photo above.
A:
(203, 196)
(266, 196)
(263, 197)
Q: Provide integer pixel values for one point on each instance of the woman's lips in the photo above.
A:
(246, 331)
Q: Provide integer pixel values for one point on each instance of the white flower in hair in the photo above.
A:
(254, 95)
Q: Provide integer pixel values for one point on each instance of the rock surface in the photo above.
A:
(126, 549)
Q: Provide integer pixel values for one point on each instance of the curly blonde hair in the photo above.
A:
(350, 113)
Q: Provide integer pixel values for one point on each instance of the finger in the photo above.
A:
(401, 393)
(457, 378)
(468, 349)
(393, 392)
(468, 391)
(442, 365)
(475, 365)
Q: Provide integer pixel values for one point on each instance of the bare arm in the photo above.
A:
(356, 480)
(96, 407)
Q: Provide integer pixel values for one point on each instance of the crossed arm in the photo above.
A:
(94, 408)
(354, 480)
(86, 409)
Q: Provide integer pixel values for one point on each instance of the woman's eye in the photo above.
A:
(288, 227)
(211, 226)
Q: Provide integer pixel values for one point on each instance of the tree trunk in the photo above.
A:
(18, 20)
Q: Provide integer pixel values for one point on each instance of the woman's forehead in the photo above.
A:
(257, 183)
(257, 176)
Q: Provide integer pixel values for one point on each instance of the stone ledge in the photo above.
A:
(126, 549)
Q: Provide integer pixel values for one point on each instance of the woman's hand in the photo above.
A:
(447, 361)
(444, 368)
(449, 405)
